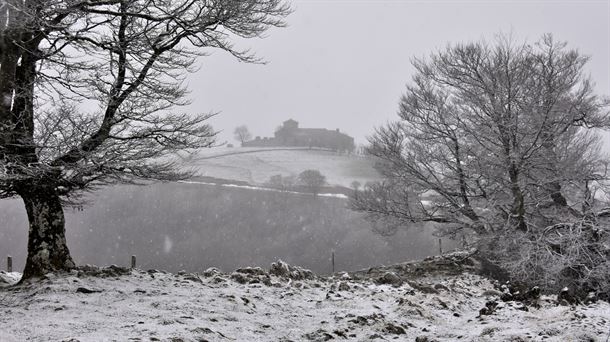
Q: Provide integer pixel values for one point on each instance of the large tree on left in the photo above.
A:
(87, 89)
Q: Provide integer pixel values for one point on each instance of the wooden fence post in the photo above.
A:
(9, 263)
(133, 261)
(440, 246)
(333, 261)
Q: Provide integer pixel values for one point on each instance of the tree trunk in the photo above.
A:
(47, 249)
(518, 210)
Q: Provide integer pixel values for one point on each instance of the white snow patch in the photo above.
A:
(9, 278)
(251, 187)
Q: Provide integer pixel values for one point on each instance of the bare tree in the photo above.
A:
(279, 182)
(127, 59)
(494, 140)
(313, 180)
(242, 134)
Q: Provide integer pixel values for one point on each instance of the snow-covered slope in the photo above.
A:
(256, 165)
(283, 304)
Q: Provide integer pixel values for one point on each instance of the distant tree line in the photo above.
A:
(311, 181)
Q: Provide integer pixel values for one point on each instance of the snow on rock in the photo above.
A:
(286, 303)
(9, 278)
(282, 269)
(389, 278)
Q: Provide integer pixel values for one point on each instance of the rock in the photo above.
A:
(368, 319)
(218, 280)
(394, 329)
(565, 295)
(441, 303)
(255, 271)
(282, 269)
(521, 293)
(441, 287)
(193, 278)
(9, 278)
(423, 288)
(492, 293)
(360, 320)
(591, 298)
(319, 335)
(488, 331)
(343, 286)
(422, 339)
(344, 276)
(94, 271)
(210, 272)
(86, 290)
(88, 268)
(389, 278)
(341, 333)
(239, 277)
(251, 275)
(114, 271)
(490, 308)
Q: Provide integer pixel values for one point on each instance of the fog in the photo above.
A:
(174, 226)
(345, 63)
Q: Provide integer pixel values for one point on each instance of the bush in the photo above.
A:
(283, 183)
(574, 256)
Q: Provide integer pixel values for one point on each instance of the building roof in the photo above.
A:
(320, 131)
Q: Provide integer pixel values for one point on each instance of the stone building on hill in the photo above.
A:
(290, 135)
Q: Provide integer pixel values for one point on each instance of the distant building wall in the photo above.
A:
(289, 134)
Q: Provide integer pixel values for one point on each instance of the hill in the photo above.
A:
(286, 303)
(182, 226)
(257, 165)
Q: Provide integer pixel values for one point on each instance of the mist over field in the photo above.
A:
(177, 226)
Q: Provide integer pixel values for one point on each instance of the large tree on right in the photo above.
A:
(499, 142)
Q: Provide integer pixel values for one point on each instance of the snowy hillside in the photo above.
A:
(255, 165)
(417, 302)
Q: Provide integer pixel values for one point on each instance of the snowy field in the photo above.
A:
(282, 304)
(255, 165)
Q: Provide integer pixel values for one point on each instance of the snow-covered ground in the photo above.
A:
(251, 187)
(256, 165)
(283, 304)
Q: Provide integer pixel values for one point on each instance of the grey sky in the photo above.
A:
(344, 63)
